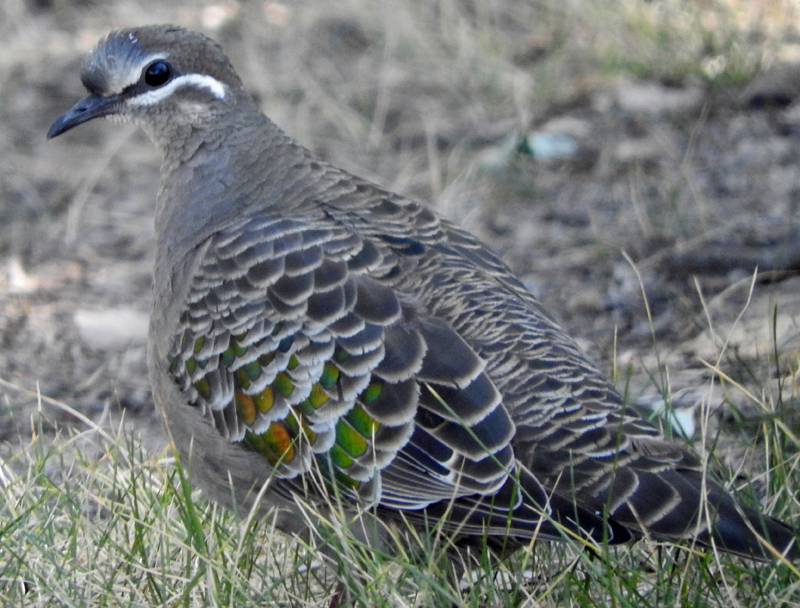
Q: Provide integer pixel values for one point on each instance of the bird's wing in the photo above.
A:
(417, 374)
(294, 343)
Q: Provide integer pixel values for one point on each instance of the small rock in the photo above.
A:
(654, 98)
(680, 414)
(548, 146)
(111, 328)
(19, 281)
(638, 150)
(570, 125)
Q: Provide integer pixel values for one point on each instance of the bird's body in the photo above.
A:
(307, 321)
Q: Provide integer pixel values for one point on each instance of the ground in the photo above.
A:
(637, 207)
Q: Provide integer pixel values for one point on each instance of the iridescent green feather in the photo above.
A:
(203, 389)
(330, 374)
(349, 439)
(283, 385)
(362, 422)
(372, 392)
(253, 370)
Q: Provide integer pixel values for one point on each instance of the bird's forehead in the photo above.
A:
(117, 63)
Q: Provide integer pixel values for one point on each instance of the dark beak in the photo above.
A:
(85, 110)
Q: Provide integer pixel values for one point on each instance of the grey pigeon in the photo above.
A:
(308, 322)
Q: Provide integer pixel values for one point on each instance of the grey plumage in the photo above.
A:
(305, 318)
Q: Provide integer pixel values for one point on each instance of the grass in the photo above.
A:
(90, 519)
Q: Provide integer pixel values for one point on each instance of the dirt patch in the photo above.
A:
(621, 188)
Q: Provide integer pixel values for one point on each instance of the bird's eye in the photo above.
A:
(157, 73)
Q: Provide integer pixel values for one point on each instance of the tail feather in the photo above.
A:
(747, 532)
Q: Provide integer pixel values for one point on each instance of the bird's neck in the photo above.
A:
(215, 173)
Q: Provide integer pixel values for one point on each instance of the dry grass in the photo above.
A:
(419, 96)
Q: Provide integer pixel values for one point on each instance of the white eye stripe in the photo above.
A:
(215, 87)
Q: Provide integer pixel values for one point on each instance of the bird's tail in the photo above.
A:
(747, 532)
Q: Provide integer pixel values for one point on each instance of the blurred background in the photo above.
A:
(634, 163)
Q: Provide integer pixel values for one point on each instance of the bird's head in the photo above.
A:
(156, 76)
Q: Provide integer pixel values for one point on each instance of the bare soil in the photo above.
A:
(678, 191)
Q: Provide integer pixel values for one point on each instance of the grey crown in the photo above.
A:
(307, 322)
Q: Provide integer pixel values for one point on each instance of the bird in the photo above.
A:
(309, 324)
